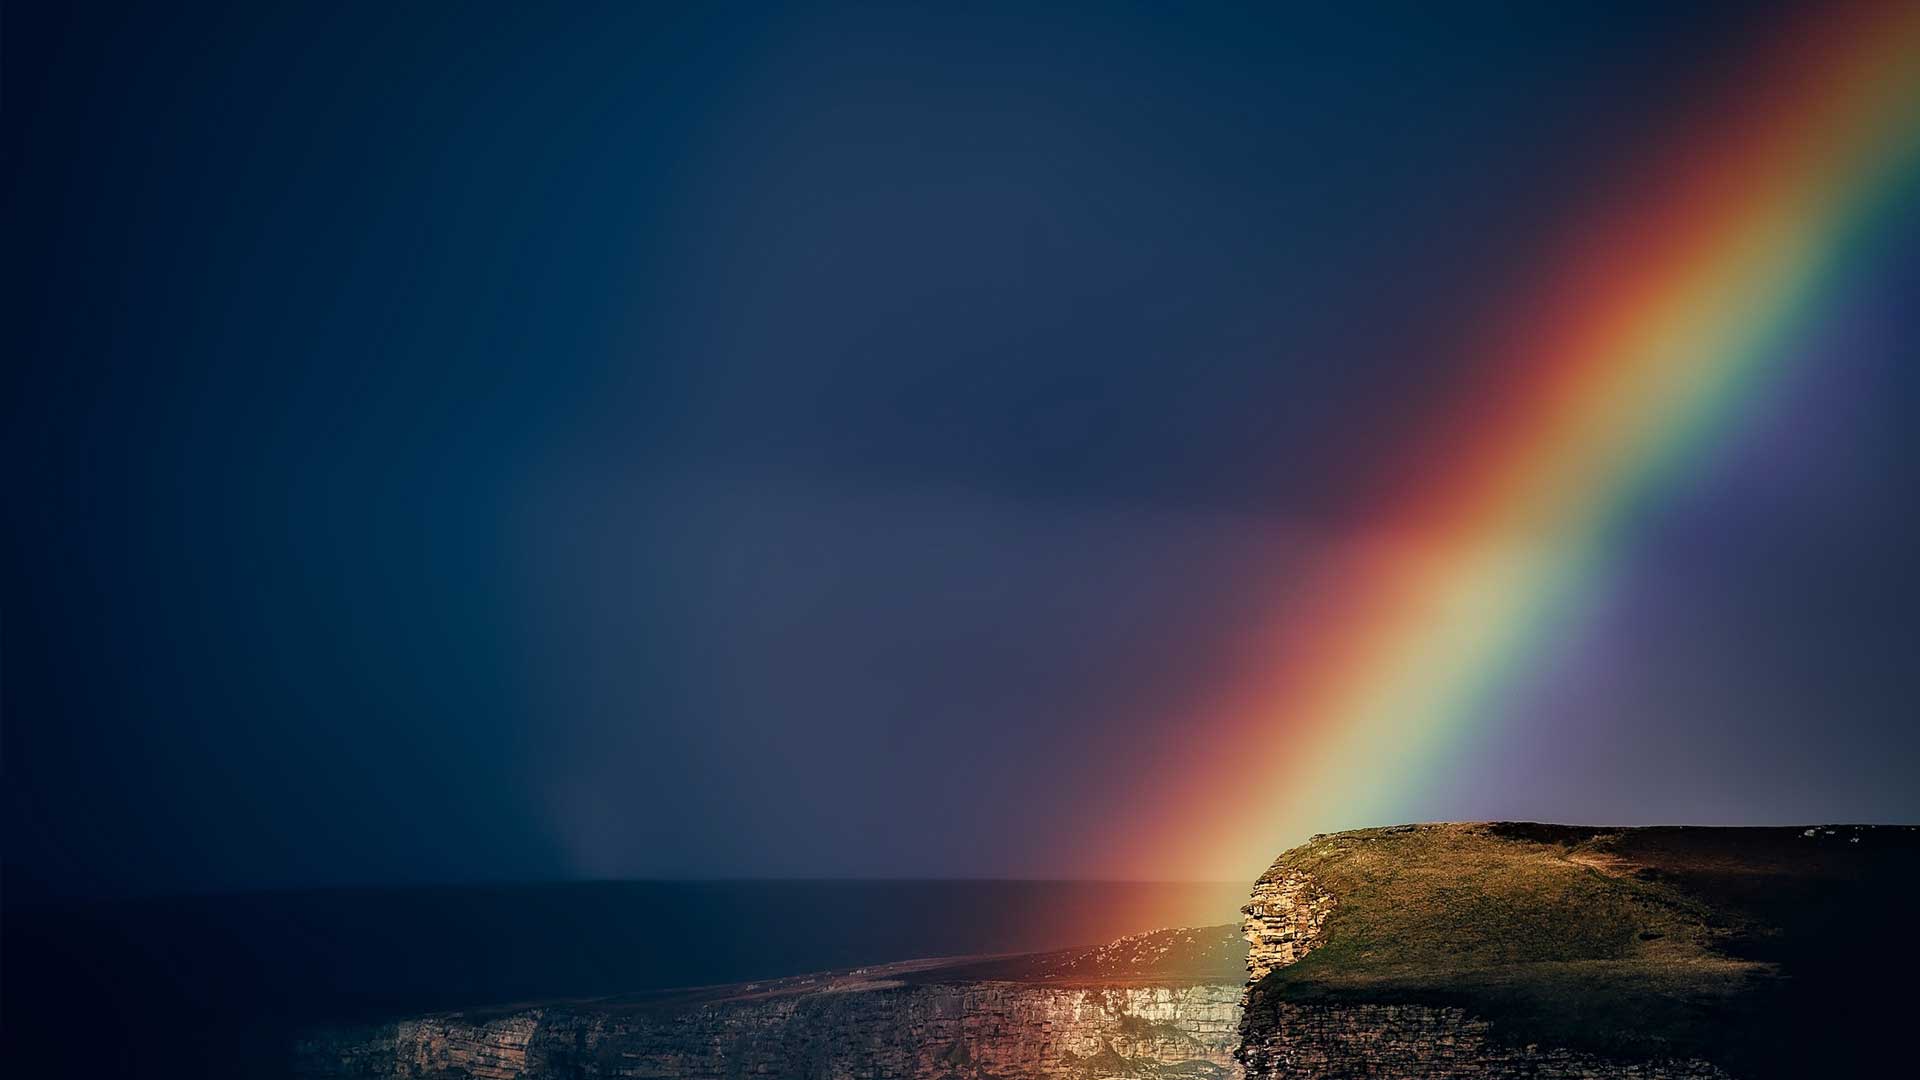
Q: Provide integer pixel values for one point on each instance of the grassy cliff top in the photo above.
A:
(1737, 945)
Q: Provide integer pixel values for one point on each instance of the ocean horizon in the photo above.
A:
(244, 971)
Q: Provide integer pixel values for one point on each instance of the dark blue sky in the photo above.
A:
(491, 442)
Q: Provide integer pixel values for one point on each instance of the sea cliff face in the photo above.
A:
(1064, 1015)
(1283, 919)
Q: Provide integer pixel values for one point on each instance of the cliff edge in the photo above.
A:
(1524, 950)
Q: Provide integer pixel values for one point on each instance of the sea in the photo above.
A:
(220, 985)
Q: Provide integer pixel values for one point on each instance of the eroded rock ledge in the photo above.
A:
(1283, 919)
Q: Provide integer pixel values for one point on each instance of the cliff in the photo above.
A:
(1497, 951)
(1519, 950)
(1165, 1004)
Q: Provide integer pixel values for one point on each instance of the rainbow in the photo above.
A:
(1672, 309)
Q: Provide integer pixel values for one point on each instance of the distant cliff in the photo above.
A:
(1165, 1004)
(1509, 950)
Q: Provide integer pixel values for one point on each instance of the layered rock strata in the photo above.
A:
(1283, 919)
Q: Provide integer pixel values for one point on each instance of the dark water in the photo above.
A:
(216, 985)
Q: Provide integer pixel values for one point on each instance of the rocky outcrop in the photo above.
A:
(1422, 1042)
(483, 1049)
(1121, 1011)
(1283, 919)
